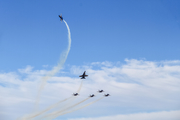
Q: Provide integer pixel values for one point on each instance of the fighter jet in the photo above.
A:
(92, 95)
(61, 18)
(100, 91)
(83, 76)
(106, 95)
(75, 94)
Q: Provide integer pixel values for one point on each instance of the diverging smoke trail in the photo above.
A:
(74, 97)
(47, 109)
(61, 62)
(54, 105)
(78, 108)
(65, 112)
(58, 112)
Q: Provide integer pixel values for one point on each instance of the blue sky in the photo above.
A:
(106, 34)
(31, 33)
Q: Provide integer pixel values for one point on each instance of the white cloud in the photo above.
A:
(163, 115)
(136, 86)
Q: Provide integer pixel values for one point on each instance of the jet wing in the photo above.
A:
(80, 76)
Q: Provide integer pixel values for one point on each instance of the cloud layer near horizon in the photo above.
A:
(164, 115)
(135, 86)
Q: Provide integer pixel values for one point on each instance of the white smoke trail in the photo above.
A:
(80, 107)
(69, 103)
(63, 113)
(47, 109)
(63, 58)
(80, 87)
(74, 97)
(54, 105)
(52, 115)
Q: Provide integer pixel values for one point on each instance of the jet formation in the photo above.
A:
(83, 76)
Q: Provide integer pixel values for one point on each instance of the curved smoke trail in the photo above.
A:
(63, 58)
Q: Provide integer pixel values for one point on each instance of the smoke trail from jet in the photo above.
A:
(74, 97)
(61, 62)
(80, 87)
(52, 115)
(47, 109)
(63, 113)
(69, 103)
(54, 105)
(80, 107)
